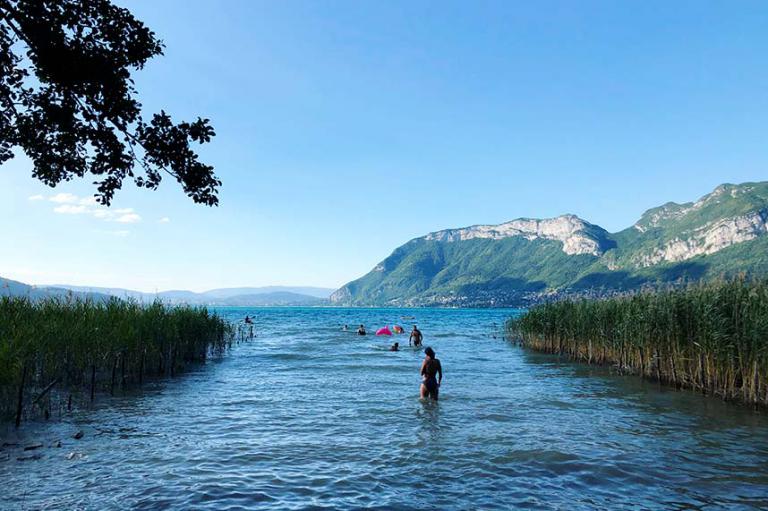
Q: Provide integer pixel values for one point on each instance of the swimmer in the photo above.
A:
(416, 337)
(345, 328)
(248, 320)
(395, 347)
(361, 330)
(432, 372)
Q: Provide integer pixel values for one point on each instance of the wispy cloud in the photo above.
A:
(164, 220)
(128, 218)
(71, 209)
(63, 198)
(71, 204)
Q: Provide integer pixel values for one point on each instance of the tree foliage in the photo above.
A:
(67, 100)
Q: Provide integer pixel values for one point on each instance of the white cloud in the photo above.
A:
(164, 220)
(89, 201)
(71, 204)
(64, 198)
(128, 218)
(70, 209)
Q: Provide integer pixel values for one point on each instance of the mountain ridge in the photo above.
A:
(242, 296)
(9, 287)
(526, 260)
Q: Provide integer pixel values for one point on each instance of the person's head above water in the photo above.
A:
(397, 344)
(414, 327)
(429, 352)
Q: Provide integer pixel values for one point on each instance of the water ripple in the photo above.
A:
(309, 417)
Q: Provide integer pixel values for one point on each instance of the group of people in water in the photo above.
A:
(414, 340)
(431, 370)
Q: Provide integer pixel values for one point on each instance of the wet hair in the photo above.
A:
(429, 352)
(397, 344)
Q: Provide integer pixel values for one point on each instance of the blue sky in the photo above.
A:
(345, 129)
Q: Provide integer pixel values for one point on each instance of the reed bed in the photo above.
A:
(711, 337)
(59, 350)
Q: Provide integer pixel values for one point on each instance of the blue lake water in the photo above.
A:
(306, 416)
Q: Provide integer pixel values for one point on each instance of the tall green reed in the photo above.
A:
(54, 350)
(712, 337)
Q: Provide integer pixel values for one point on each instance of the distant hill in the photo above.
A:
(317, 292)
(528, 260)
(13, 288)
(277, 298)
(243, 296)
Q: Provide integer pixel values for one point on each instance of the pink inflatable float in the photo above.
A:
(383, 331)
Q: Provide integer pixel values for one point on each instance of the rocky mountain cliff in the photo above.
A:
(576, 235)
(526, 260)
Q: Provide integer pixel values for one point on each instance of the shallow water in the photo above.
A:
(307, 416)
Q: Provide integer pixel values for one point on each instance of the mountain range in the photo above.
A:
(523, 261)
(10, 287)
(528, 260)
(242, 296)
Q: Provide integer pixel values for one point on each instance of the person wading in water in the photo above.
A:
(432, 372)
(415, 337)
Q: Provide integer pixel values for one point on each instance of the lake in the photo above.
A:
(308, 416)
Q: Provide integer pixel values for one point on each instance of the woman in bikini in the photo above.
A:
(432, 374)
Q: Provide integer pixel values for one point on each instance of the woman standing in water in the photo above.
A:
(432, 372)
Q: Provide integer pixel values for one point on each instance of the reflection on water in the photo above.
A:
(428, 414)
(309, 416)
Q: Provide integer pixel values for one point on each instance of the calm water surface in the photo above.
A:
(307, 416)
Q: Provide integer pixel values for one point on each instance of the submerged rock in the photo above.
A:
(32, 447)
(78, 435)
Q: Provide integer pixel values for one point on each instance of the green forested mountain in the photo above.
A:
(526, 260)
